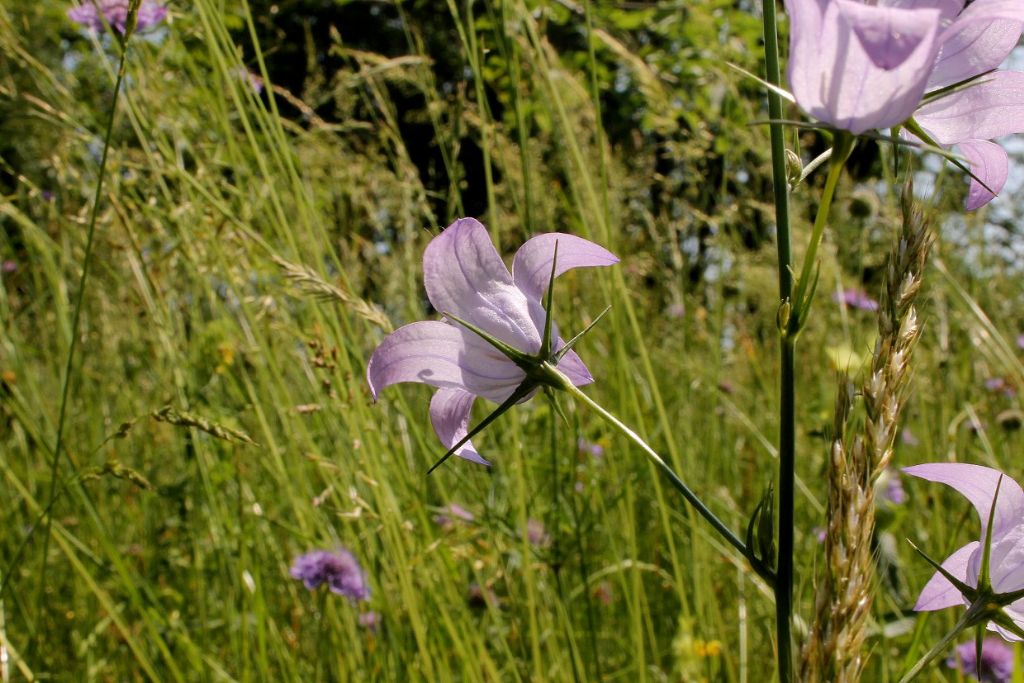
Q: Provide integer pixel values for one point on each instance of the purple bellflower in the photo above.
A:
(1006, 563)
(861, 66)
(339, 569)
(467, 282)
(996, 661)
(95, 15)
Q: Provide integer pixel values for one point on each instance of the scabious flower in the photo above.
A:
(856, 298)
(95, 15)
(889, 487)
(466, 278)
(860, 66)
(339, 569)
(996, 661)
(1006, 565)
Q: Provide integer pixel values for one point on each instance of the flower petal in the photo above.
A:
(978, 485)
(976, 42)
(449, 414)
(442, 356)
(465, 276)
(572, 367)
(989, 108)
(531, 266)
(861, 67)
(939, 593)
(989, 163)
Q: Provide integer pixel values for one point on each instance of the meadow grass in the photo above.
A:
(248, 260)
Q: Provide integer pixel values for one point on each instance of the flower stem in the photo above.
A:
(965, 621)
(841, 148)
(677, 483)
(65, 393)
(780, 183)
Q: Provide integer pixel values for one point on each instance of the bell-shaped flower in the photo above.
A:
(989, 106)
(1006, 562)
(858, 66)
(467, 282)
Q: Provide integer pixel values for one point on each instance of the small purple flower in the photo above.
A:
(536, 534)
(95, 15)
(370, 621)
(339, 569)
(999, 384)
(453, 510)
(466, 278)
(9, 266)
(908, 438)
(978, 484)
(676, 310)
(890, 487)
(255, 80)
(594, 449)
(855, 298)
(996, 661)
(1020, 341)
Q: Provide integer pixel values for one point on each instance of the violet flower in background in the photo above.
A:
(536, 534)
(465, 277)
(9, 267)
(339, 569)
(889, 487)
(996, 661)
(92, 13)
(978, 484)
(1020, 341)
(370, 621)
(451, 512)
(591, 448)
(855, 298)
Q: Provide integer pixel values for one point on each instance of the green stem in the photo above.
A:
(940, 647)
(841, 148)
(677, 483)
(780, 184)
(65, 392)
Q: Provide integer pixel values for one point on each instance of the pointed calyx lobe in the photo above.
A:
(465, 277)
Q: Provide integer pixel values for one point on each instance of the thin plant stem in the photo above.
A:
(780, 187)
(965, 621)
(841, 149)
(677, 483)
(65, 392)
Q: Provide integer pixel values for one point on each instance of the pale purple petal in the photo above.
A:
(939, 593)
(948, 9)
(531, 266)
(465, 276)
(972, 46)
(989, 108)
(990, 164)
(860, 67)
(450, 410)
(91, 15)
(572, 367)
(442, 356)
(978, 485)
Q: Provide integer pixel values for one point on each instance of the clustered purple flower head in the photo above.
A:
(860, 65)
(996, 661)
(1006, 564)
(339, 569)
(96, 15)
(856, 298)
(466, 278)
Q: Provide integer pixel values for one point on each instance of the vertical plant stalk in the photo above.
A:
(835, 646)
(65, 391)
(787, 429)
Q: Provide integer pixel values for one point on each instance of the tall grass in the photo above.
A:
(172, 539)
